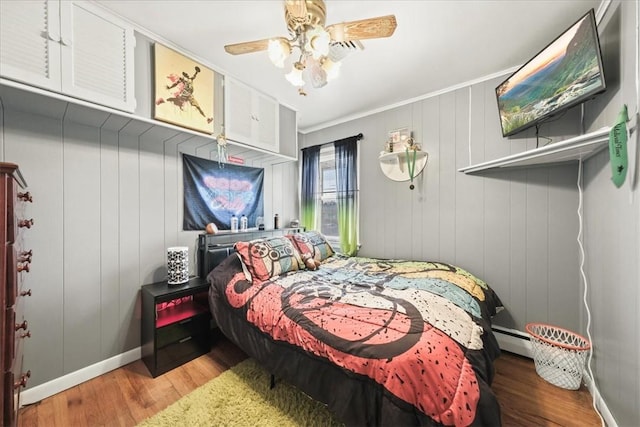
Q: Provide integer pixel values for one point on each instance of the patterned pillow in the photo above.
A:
(312, 242)
(267, 258)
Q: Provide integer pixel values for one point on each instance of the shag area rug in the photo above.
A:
(241, 396)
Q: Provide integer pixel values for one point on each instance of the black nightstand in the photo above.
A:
(175, 324)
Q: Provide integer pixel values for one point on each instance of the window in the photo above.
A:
(329, 192)
(328, 212)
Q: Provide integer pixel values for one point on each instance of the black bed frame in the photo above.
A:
(214, 248)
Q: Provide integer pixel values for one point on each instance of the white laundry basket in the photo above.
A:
(559, 354)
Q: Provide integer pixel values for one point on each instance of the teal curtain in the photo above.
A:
(309, 186)
(347, 192)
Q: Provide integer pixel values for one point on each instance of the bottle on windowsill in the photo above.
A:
(276, 222)
(244, 223)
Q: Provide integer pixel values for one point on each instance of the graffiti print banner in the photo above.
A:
(214, 192)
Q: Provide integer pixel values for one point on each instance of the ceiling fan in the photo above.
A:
(320, 48)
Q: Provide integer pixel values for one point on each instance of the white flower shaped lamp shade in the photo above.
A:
(178, 265)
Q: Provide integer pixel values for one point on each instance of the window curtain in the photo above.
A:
(309, 186)
(347, 191)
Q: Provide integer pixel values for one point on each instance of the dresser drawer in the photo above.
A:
(10, 338)
(14, 382)
(12, 275)
(16, 332)
(12, 220)
(175, 332)
(182, 351)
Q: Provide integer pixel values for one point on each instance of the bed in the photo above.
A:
(381, 342)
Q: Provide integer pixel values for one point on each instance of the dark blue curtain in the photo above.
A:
(309, 186)
(346, 151)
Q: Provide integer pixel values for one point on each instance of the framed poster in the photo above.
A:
(183, 91)
(398, 139)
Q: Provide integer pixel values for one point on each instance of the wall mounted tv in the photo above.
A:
(565, 73)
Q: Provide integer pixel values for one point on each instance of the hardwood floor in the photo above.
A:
(128, 395)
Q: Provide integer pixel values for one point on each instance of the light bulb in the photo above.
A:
(318, 40)
(278, 50)
(331, 68)
(295, 76)
(314, 73)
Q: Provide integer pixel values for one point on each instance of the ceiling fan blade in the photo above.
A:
(371, 28)
(250, 47)
(297, 9)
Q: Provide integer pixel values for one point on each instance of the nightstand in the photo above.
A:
(175, 324)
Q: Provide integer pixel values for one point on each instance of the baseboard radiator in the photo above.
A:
(513, 341)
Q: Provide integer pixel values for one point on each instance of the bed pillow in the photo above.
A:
(267, 258)
(312, 242)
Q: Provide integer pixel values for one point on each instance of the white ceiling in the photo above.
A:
(436, 45)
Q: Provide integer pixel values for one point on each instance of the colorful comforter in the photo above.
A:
(418, 331)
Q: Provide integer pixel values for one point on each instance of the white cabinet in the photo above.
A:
(250, 117)
(70, 47)
(288, 132)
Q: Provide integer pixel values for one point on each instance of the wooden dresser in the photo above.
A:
(15, 260)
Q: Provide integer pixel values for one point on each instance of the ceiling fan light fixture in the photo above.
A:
(315, 74)
(331, 68)
(317, 42)
(295, 75)
(320, 47)
(279, 50)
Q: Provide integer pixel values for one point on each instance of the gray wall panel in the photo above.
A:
(537, 246)
(109, 249)
(564, 305)
(514, 292)
(81, 225)
(152, 202)
(428, 234)
(129, 239)
(444, 135)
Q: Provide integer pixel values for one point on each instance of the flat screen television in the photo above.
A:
(565, 73)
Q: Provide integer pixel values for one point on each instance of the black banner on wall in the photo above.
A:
(214, 191)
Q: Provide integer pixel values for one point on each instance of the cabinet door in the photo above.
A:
(267, 110)
(238, 116)
(250, 117)
(288, 132)
(97, 56)
(29, 42)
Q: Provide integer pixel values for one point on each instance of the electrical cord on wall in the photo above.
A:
(595, 392)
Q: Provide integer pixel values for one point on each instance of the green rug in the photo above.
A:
(241, 396)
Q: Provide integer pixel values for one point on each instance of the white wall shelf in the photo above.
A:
(395, 167)
(578, 148)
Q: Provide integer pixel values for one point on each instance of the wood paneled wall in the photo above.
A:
(514, 229)
(107, 204)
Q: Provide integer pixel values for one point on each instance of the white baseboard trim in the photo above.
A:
(42, 391)
(606, 414)
(513, 341)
